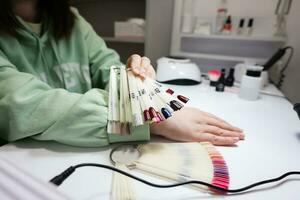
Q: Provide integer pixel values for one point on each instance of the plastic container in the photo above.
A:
(251, 84)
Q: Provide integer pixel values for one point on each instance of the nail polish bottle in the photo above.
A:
(227, 26)
(230, 78)
(250, 27)
(220, 87)
(240, 29)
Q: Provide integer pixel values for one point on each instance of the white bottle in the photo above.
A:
(221, 16)
(251, 84)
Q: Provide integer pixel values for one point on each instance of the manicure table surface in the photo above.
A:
(271, 148)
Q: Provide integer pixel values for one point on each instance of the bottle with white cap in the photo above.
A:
(251, 83)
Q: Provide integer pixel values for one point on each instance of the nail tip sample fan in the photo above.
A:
(185, 161)
(135, 103)
(173, 161)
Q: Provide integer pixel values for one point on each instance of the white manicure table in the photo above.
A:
(271, 148)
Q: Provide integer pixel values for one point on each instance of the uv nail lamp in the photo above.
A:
(135, 103)
(177, 71)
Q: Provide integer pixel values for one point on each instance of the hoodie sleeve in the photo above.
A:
(31, 108)
(100, 57)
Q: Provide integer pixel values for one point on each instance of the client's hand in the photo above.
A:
(190, 124)
(141, 66)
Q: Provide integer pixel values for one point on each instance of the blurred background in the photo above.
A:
(214, 34)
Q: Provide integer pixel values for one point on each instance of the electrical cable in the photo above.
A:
(274, 59)
(297, 109)
(282, 76)
(59, 179)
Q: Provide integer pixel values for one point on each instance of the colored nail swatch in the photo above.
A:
(166, 113)
(147, 116)
(175, 105)
(170, 91)
(153, 115)
(183, 98)
(221, 174)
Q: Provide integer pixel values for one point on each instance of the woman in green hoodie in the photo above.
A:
(53, 72)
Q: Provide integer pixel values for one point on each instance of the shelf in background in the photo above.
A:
(236, 37)
(219, 57)
(140, 40)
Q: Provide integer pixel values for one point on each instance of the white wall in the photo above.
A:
(291, 86)
(159, 15)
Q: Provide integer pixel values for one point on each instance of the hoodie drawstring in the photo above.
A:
(42, 55)
(58, 59)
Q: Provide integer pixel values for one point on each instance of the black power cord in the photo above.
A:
(282, 76)
(59, 179)
(274, 59)
(297, 109)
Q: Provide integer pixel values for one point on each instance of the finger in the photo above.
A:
(216, 140)
(150, 72)
(145, 64)
(221, 124)
(217, 118)
(134, 63)
(214, 116)
(226, 141)
(222, 132)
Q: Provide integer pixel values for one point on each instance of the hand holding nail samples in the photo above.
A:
(191, 124)
(154, 104)
(141, 66)
(134, 101)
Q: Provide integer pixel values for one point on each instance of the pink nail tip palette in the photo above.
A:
(221, 174)
(186, 161)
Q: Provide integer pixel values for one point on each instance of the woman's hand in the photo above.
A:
(191, 125)
(141, 66)
(187, 124)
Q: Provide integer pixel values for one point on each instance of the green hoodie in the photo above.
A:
(49, 88)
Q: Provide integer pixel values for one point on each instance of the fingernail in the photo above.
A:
(239, 129)
(142, 70)
(236, 139)
(242, 136)
(142, 75)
